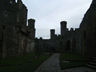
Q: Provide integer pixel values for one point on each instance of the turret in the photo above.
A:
(52, 33)
(21, 13)
(31, 23)
(31, 26)
(63, 27)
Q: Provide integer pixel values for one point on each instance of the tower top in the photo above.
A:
(52, 29)
(63, 22)
(31, 20)
(31, 23)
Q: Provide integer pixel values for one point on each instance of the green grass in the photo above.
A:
(26, 63)
(74, 60)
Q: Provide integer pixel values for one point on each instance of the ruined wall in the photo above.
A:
(14, 36)
(88, 29)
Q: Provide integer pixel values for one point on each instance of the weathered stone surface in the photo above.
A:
(50, 65)
(14, 32)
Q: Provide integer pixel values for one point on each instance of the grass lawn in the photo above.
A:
(69, 60)
(27, 63)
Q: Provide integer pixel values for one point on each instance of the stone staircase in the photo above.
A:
(92, 63)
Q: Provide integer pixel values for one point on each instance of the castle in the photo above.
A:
(80, 40)
(67, 41)
(16, 37)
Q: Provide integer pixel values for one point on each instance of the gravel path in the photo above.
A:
(50, 65)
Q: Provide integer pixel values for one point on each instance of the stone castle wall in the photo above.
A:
(15, 35)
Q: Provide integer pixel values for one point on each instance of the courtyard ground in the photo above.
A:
(27, 63)
(53, 65)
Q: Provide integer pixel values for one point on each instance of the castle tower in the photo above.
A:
(52, 33)
(31, 26)
(21, 13)
(63, 27)
(31, 23)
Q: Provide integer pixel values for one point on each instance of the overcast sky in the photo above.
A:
(49, 13)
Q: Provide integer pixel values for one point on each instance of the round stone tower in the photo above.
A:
(63, 27)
